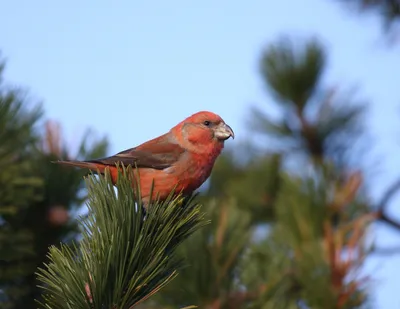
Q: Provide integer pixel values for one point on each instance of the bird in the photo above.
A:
(177, 162)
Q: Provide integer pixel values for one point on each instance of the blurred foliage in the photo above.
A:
(230, 179)
(318, 121)
(387, 10)
(19, 189)
(293, 234)
(36, 197)
(315, 250)
(212, 256)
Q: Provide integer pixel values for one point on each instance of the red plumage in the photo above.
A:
(182, 159)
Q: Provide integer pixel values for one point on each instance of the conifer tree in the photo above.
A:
(19, 188)
(37, 199)
(311, 255)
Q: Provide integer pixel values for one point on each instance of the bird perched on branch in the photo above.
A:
(179, 160)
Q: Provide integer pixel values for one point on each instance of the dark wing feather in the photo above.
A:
(157, 154)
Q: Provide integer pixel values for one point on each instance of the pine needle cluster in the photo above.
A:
(126, 253)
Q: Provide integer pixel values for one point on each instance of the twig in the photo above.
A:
(393, 223)
(389, 194)
(381, 212)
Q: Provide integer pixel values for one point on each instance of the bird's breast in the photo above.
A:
(192, 171)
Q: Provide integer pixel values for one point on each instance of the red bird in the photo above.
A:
(182, 158)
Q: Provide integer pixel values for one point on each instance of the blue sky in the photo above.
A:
(133, 69)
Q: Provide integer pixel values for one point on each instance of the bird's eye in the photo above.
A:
(206, 123)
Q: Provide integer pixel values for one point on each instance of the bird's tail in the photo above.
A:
(95, 167)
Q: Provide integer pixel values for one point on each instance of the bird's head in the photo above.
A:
(206, 126)
(203, 131)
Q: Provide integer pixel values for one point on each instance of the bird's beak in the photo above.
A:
(223, 132)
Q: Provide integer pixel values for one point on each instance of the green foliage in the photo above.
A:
(260, 175)
(212, 256)
(303, 257)
(125, 256)
(321, 123)
(63, 186)
(19, 188)
(281, 62)
(35, 195)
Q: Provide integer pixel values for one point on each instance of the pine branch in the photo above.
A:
(293, 74)
(318, 121)
(126, 254)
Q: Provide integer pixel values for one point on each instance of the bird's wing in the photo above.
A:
(159, 154)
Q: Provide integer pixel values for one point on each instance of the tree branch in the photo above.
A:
(381, 212)
(393, 223)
